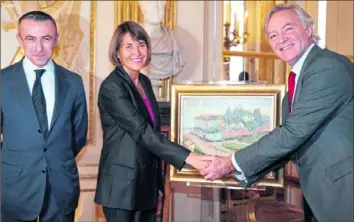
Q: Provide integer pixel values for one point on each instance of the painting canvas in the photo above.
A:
(230, 123)
(222, 119)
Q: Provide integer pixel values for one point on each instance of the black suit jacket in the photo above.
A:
(26, 154)
(129, 173)
(317, 135)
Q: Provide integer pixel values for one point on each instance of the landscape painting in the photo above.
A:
(222, 119)
(221, 125)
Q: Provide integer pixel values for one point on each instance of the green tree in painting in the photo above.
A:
(251, 120)
(265, 119)
(257, 116)
(228, 117)
(250, 123)
(237, 115)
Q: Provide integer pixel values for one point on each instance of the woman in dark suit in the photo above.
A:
(129, 175)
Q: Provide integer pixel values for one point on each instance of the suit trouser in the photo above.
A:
(119, 215)
(49, 211)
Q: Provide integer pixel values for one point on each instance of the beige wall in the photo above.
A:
(339, 29)
(190, 33)
(339, 25)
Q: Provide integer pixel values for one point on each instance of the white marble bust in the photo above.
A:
(166, 59)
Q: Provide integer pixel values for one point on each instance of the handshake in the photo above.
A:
(211, 167)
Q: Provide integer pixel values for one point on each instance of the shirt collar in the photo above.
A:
(298, 65)
(29, 67)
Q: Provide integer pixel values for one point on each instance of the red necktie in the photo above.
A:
(291, 86)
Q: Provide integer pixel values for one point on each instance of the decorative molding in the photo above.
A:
(91, 109)
(88, 170)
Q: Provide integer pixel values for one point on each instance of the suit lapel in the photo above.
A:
(136, 95)
(310, 57)
(61, 89)
(150, 95)
(22, 92)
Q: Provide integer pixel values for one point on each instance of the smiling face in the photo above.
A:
(133, 54)
(287, 36)
(38, 39)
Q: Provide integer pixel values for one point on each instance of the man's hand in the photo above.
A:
(218, 167)
(196, 161)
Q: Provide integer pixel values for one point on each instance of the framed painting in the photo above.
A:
(75, 51)
(221, 119)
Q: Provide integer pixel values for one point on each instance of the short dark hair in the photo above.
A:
(136, 32)
(37, 16)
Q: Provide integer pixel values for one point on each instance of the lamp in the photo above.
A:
(237, 39)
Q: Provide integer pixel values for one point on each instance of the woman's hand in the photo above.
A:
(195, 160)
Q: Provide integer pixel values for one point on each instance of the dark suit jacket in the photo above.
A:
(129, 174)
(26, 154)
(317, 135)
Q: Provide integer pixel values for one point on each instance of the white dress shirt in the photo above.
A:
(48, 83)
(297, 70)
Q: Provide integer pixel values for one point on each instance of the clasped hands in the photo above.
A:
(211, 167)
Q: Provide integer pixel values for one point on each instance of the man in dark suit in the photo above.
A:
(317, 133)
(44, 126)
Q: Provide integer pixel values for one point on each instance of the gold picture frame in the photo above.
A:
(218, 119)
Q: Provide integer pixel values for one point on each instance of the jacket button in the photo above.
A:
(45, 150)
(43, 171)
(39, 130)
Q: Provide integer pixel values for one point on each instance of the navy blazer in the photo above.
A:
(27, 156)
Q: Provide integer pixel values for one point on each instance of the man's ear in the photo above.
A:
(309, 30)
(56, 39)
(19, 39)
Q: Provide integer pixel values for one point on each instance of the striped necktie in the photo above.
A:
(39, 103)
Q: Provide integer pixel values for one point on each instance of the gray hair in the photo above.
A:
(304, 17)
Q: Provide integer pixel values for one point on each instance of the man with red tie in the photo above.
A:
(317, 133)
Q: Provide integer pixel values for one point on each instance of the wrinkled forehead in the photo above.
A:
(282, 18)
